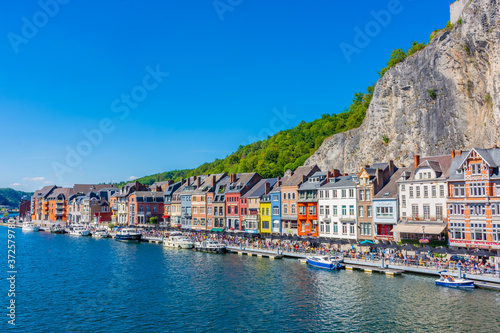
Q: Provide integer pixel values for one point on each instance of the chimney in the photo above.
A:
(336, 173)
(367, 166)
(417, 160)
(452, 153)
(304, 178)
(213, 180)
(278, 179)
(183, 181)
(380, 181)
(267, 188)
(279, 183)
(198, 182)
(189, 181)
(233, 178)
(458, 153)
(136, 184)
(391, 167)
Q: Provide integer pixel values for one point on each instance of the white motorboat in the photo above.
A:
(100, 234)
(78, 230)
(30, 227)
(325, 262)
(56, 229)
(210, 246)
(128, 235)
(177, 240)
(449, 281)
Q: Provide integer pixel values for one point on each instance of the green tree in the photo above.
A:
(153, 220)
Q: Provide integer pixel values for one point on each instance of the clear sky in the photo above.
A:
(162, 85)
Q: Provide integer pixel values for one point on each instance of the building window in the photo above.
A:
(494, 209)
(321, 195)
(267, 211)
(327, 210)
(456, 209)
(427, 212)
(385, 212)
(312, 210)
(475, 169)
(403, 201)
(292, 206)
(285, 209)
(351, 210)
(327, 194)
(351, 193)
(411, 191)
(275, 198)
(344, 229)
(302, 210)
(414, 211)
(441, 191)
(365, 229)
(344, 210)
(403, 188)
(335, 228)
(477, 210)
(351, 229)
(321, 210)
(335, 212)
(369, 211)
(426, 191)
(458, 190)
(496, 232)
(433, 191)
(417, 191)
(367, 195)
(344, 193)
(457, 230)
(439, 212)
(477, 189)
(360, 211)
(361, 195)
(293, 195)
(478, 231)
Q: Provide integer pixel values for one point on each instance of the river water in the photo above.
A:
(80, 284)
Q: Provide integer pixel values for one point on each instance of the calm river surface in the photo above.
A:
(80, 284)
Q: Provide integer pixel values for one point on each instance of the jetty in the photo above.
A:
(254, 252)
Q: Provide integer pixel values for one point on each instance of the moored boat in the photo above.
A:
(128, 235)
(57, 229)
(177, 240)
(210, 246)
(100, 234)
(30, 227)
(449, 281)
(78, 230)
(325, 262)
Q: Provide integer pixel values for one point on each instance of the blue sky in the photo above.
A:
(202, 77)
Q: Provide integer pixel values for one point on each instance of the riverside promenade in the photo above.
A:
(487, 280)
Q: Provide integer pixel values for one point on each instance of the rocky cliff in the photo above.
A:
(443, 97)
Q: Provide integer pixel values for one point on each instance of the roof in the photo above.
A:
(437, 163)
(297, 177)
(148, 194)
(44, 191)
(258, 189)
(242, 181)
(86, 188)
(171, 188)
(339, 182)
(65, 191)
(390, 190)
(490, 156)
(206, 185)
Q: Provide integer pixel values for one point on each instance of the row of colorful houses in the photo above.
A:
(454, 197)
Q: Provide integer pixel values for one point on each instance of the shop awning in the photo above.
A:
(419, 229)
(165, 216)
(409, 229)
(217, 229)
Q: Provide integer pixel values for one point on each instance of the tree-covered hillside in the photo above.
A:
(10, 197)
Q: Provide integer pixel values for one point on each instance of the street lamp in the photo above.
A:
(423, 230)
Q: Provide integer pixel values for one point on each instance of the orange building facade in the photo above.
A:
(474, 199)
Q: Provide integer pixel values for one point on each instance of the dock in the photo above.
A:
(371, 269)
(257, 253)
(151, 239)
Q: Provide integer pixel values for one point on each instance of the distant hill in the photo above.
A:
(11, 197)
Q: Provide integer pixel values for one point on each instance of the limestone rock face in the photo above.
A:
(462, 67)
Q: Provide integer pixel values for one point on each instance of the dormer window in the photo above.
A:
(475, 169)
